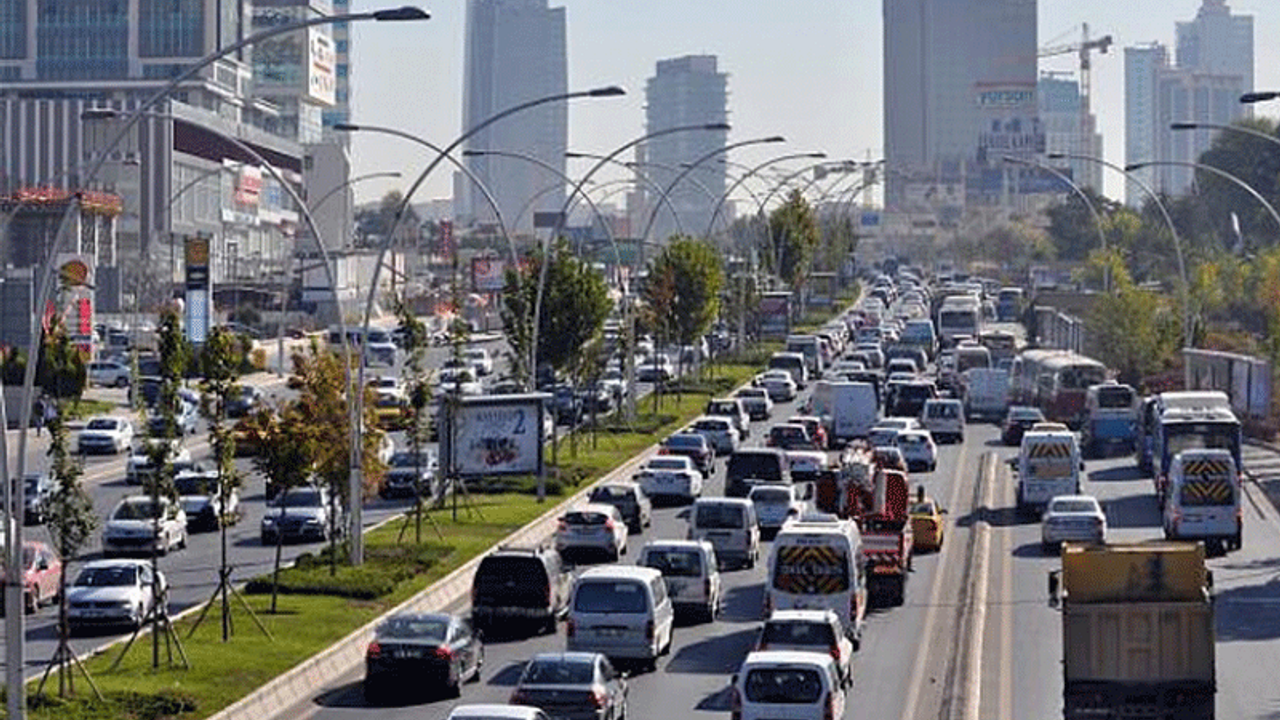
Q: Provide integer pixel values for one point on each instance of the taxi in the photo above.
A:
(927, 522)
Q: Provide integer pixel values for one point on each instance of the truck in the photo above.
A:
(848, 409)
(1204, 500)
(1048, 465)
(1137, 631)
(1110, 419)
(986, 394)
(887, 538)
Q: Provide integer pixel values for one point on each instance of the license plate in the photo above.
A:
(609, 632)
(406, 653)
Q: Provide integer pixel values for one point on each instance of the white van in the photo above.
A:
(816, 563)
(793, 363)
(1204, 498)
(729, 524)
(811, 348)
(944, 417)
(788, 685)
(691, 572)
(848, 409)
(621, 612)
(1048, 464)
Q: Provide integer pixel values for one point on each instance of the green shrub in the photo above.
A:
(366, 582)
(114, 705)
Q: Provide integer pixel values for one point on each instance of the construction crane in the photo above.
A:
(1084, 48)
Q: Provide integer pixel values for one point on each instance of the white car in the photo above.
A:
(113, 592)
(105, 433)
(593, 526)
(138, 466)
(108, 373)
(690, 571)
(207, 507)
(460, 380)
(918, 450)
(670, 477)
(479, 360)
(819, 631)
(384, 385)
(779, 384)
(137, 524)
(775, 504)
(756, 402)
(386, 449)
(656, 368)
(719, 431)
(1072, 517)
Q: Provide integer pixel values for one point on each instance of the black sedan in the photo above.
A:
(413, 652)
(1018, 421)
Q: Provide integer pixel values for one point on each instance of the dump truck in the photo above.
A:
(1137, 631)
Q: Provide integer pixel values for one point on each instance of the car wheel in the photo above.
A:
(182, 539)
(475, 672)
(31, 600)
(122, 382)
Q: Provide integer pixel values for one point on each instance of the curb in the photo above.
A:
(318, 671)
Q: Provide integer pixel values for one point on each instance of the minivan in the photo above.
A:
(793, 363)
(521, 585)
(730, 525)
(944, 417)
(747, 466)
(691, 572)
(622, 612)
(787, 684)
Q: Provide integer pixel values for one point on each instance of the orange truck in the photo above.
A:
(887, 538)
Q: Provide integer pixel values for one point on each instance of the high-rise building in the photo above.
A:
(296, 71)
(688, 90)
(1214, 66)
(959, 90)
(1068, 130)
(515, 53)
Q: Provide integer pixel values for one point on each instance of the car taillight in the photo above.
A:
(735, 705)
(570, 627)
(834, 650)
(829, 707)
(374, 650)
(608, 525)
(444, 653)
(648, 631)
(600, 699)
(664, 451)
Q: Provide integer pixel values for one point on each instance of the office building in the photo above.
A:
(515, 53)
(1067, 129)
(688, 90)
(959, 91)
(1217, 43)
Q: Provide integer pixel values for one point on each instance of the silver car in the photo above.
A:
(1072, 517)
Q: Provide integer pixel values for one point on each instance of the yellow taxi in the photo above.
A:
(392, 411)
(927, 523)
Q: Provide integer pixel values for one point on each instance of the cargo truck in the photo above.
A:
(1137, 631)
(887, 538)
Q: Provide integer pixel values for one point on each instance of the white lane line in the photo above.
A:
(935, 593)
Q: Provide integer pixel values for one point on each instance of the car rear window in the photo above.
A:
(755, 465)
(558, 672)
(783, 686)
(717, 515)
(685, 441)
(674, 563)
(607, 493)
(1073, 506)
(585, 518)
(798, 633)
(610, 596)
(770, 495)
(505, 567)
(417, 628)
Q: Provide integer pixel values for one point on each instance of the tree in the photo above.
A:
(1257, 162)
(1073, 230)
(793, 236)
(686, 280)
(1135, 329)
(419, 391)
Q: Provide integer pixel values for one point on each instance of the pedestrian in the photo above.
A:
(50, 412)
(38, 412)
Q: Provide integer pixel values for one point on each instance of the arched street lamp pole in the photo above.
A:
(1168, 219)
(631, 167)
(764, 204)
(1093, 209)
(753, 172)
(1215, 171)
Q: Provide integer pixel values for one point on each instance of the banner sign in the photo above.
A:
(488, 274)
(494, 435)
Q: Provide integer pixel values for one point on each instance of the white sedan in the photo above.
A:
(1072, 517)
(114, 592)
(719, 431)
(138, 524)
(918, 450)
(594, 526)
(108, 373)
(105, 434)
(779, 384)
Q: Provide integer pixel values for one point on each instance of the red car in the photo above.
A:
(817, 432)
(41, 568)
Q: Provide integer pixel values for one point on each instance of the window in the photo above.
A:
(784, 686)
(610, 597)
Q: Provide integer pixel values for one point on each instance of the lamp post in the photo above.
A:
(765, 203)
(1168, 219)
(750, 173)
(1215, 171)
(1093, 209)
(633, 167)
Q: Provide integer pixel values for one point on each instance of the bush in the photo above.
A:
(384, 568)
(134, 705)
(258, 358)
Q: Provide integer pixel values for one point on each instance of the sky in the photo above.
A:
(810, 70)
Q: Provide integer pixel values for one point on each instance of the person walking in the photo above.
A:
(38, 415)
(50, 411)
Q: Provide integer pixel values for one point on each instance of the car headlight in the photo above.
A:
(268, 521)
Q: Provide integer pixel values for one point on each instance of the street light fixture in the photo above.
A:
(1250, 98)
(643, 177)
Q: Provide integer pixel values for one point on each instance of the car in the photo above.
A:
(656, 368)
(41, 568)
(207, 502)
(391, 411)
(139, 524)
(632, 503)
(918, 450)
(409, 473)
(186, 418)
(513, 586)
(889, 456)
(115, 592)
(138, 467)
(496, 712)
(105, 434)
(245, 400)
(927, 522)
(479, 360)
(1072, 517)
(37, 493)
(1017, 421)
(819, 631)
(457, 380)
(596, 399)
(572, 685)
(786, 684)
(300, 514)
(694, 446)
(245, 438)
(756, 402)
(780, 385)
(670, 477)
(719, 431)
(615, 381)
(817, 431)
(386, 449)
(566, 405)
(733, 408)
(790, 436)
(691, 573)
(775, 504)
(417, 651)
(593, 526)
(108, 373)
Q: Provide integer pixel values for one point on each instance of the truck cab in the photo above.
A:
(1048, 464)
(1204, 499)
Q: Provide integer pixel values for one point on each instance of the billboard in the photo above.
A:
(488, 274)
(1009, 121)
(322, 79)
(248, 185)
(196, 257)
(775, 314)
(495, 435)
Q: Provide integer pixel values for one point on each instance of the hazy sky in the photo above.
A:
(810, 70)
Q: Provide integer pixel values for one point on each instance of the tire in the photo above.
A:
(122, 382)
(453, 687)
(475, 673)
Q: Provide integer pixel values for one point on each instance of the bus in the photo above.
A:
(1056, 381)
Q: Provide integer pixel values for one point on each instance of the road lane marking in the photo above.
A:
(1006, 598)
(976, 608)
(914, 686)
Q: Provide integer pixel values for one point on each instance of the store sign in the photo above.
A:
(488, 274)
(249, 185)
(1010, 121)
(322, 80)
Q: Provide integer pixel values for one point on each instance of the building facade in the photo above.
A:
(515, 53)
(959, 92)
(1217, 43)
(1067, 130)
(689, 90)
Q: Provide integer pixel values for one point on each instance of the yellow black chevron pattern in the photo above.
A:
(1210, 491)
(803, 570)
(1206, 468)
(1051, 450)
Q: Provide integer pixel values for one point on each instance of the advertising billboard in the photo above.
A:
(775, 314)
(196, 257)
(495, 435)
(322, 81)
(1010, 121)
(488, 274)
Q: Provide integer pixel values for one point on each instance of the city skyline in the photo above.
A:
(804, 94)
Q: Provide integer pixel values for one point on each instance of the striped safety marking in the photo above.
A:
(1052, 450)
(1214, 490)
(809, 570)
(1217, 468)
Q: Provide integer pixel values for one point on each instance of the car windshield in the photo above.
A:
(585, 518)
(141, 509)
(770, 495)
(429, 629)
(753, 393)
(298, 498)
(674, 563)
(710, 426)
(195, 485)
(408, 459)
(1026, 415)
(722, 409)
(1116, 397)
(107, 576)
(101, 424)
(685, 441)
(558, 672)
(783, 686)
(611, 493)
(911, 440)
(718, 515)
(924, 508)
(608, 596)
(1073, 506)
(798, 632)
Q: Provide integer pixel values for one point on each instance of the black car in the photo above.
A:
(632, 503)
(415, 652)
(566, 405)
(1019, 419)
(596, 398)
(514, 586)
(245, 400)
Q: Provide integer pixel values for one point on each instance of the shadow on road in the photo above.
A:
(743, 603)
(718, 701)
(1117, 474)
(1249, 612)
(1132, 511)
(508, 676)
(720, 655)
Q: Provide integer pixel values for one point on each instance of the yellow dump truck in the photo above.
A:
(1137, 631)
